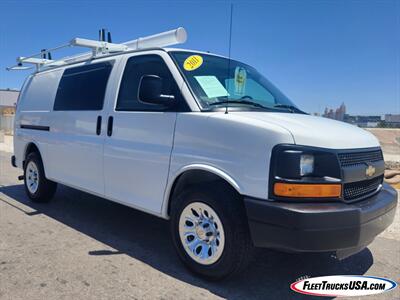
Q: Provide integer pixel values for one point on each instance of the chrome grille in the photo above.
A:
(356, 158)
(355, 190)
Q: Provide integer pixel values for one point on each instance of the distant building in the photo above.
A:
(340, 112)
(360, 121)
(337, 114)
(363, 121)
(8, 102)
(392, 120)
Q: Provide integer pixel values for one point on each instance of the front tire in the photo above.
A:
(210, 231)
(37, 186)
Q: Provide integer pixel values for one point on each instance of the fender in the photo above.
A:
(201, 167)
(40, 152)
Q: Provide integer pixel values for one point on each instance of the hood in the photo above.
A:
(317, 131)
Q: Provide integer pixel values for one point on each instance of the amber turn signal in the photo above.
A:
(307, 190)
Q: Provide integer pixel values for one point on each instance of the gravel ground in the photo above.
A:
(83, 247)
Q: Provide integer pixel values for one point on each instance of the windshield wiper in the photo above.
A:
(238, 102)
(291, 108)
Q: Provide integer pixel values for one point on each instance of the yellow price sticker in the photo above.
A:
(192, 62)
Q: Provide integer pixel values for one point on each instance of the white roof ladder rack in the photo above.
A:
(99, 48)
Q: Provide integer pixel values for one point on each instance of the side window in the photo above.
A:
(138, 66)
(83, 87)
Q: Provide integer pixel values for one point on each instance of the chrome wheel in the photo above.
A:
(201, 233)
(32, 177)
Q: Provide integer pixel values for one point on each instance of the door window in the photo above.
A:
(138, 66)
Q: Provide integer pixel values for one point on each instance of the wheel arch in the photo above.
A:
(193, 174)
(29, 148)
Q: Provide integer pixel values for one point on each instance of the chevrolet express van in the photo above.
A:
(208, 143)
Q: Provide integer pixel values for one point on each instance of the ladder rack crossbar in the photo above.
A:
(99, 48)
(46, 51)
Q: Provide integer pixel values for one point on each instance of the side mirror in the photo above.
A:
(150, 91)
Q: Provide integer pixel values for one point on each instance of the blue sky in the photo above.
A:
(319, 53)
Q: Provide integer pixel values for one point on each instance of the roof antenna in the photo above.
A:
(229, 56)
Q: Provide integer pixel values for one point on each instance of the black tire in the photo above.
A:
(229, 207)
(46, 188)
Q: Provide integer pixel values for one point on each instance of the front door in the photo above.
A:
(138, 149)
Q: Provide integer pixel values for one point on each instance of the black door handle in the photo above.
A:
(110, 125)
(98, 125)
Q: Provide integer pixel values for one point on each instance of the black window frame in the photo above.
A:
(181, 104)
(90, 67)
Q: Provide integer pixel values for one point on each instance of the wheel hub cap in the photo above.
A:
(32, 177)
(201, 232)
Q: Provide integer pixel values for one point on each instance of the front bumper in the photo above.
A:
(317, 227)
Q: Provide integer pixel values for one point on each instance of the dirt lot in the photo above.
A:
(83, 247)
(390, 142)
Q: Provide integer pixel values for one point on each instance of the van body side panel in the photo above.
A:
(19, 150)
(34, 115)
(75, 151)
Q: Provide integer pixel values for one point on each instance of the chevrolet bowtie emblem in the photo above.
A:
(370, 171)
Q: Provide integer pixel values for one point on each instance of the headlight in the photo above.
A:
(306, 164)
(304, 172)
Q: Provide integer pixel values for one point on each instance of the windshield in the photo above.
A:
(218, 81)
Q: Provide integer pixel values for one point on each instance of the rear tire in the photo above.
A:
(37, 186)
(205, 247)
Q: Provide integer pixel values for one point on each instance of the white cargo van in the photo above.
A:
(206, 142)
